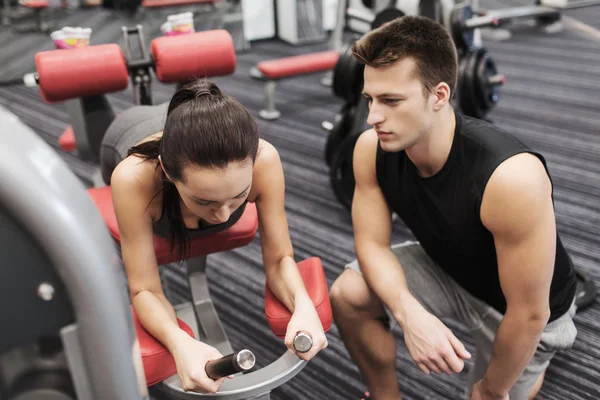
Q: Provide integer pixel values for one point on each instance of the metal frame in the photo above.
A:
(44, 195)
(90, 118)
(202, 317)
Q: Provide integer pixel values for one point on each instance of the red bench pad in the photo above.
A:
(158, 362)
(65, 75)
(297, 65)
(239, 235)
(35, 3)
(170, 3)
(313, 276)
(66, 141)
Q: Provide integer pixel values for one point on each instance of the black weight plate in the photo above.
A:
(341, 174)
(468, 98)
(348, 76)
(463, 38)
(368, 3)
(341, 128)
(487, 94)
(463, 96)
(433, 10)
(386, 15)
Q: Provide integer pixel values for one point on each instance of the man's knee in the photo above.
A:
(350, 294)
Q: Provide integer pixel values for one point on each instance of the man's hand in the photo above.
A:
(432, 346)
(480, 393)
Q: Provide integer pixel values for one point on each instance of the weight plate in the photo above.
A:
(368, 3)
(464, 100)
(348, 76)
(463, 37)
(341, 128)
(486, 92)
(468, 98)
(432, 9)
(386, 15)
(341, 174)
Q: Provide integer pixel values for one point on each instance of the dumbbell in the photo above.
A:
(463, 22)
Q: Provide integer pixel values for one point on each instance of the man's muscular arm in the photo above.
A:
(517, 209)
(431, 344)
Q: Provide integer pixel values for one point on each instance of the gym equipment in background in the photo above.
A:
(300, 21)
(82, 77)
(275, 70)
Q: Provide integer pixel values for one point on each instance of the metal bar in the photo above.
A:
(359, 15)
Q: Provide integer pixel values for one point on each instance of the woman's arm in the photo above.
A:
(131, 196)
(281, 271)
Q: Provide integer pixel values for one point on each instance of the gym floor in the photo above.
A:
(550, 101)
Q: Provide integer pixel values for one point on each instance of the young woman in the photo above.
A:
(190, 169)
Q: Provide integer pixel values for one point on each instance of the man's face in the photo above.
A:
(398, 110)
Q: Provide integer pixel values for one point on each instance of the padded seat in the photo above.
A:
(171, 3)
(236, 236)
(313, 275)
(35, 4)
(296, 65)
(157, 360)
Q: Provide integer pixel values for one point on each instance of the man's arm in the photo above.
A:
(371, 219)
(517, 209)
(432, 346)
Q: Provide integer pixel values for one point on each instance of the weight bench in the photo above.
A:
(273, 70)
(173, 3)
(199, 317)
(64, 76)
(39, 9)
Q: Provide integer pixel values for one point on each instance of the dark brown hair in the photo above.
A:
(420, 38)
(204, 128)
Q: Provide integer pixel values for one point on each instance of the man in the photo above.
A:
(480, 204)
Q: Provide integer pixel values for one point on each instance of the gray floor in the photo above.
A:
(550, 101)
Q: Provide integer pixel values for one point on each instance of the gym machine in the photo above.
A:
(90, 113)
(71, 335)
(66, 327)
(68, 331)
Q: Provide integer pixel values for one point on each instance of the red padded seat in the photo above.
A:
(158, 362)
(296, 65)
(35, 4)
(171, 3)
(240, 234)
(313, 276)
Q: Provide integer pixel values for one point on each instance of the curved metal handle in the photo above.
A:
(230, 364)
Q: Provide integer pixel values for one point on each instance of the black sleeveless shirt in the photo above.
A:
(443, 211)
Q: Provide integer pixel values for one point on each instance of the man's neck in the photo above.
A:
(430, 153)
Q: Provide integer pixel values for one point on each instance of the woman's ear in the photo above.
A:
(163, 169)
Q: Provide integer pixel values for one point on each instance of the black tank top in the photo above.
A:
(443, 211)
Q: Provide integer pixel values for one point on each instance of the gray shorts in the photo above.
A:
(128, 128)
(444, 298)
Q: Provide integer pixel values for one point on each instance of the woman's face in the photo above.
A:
(214, 194)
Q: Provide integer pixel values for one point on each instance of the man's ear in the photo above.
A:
(442, 95)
